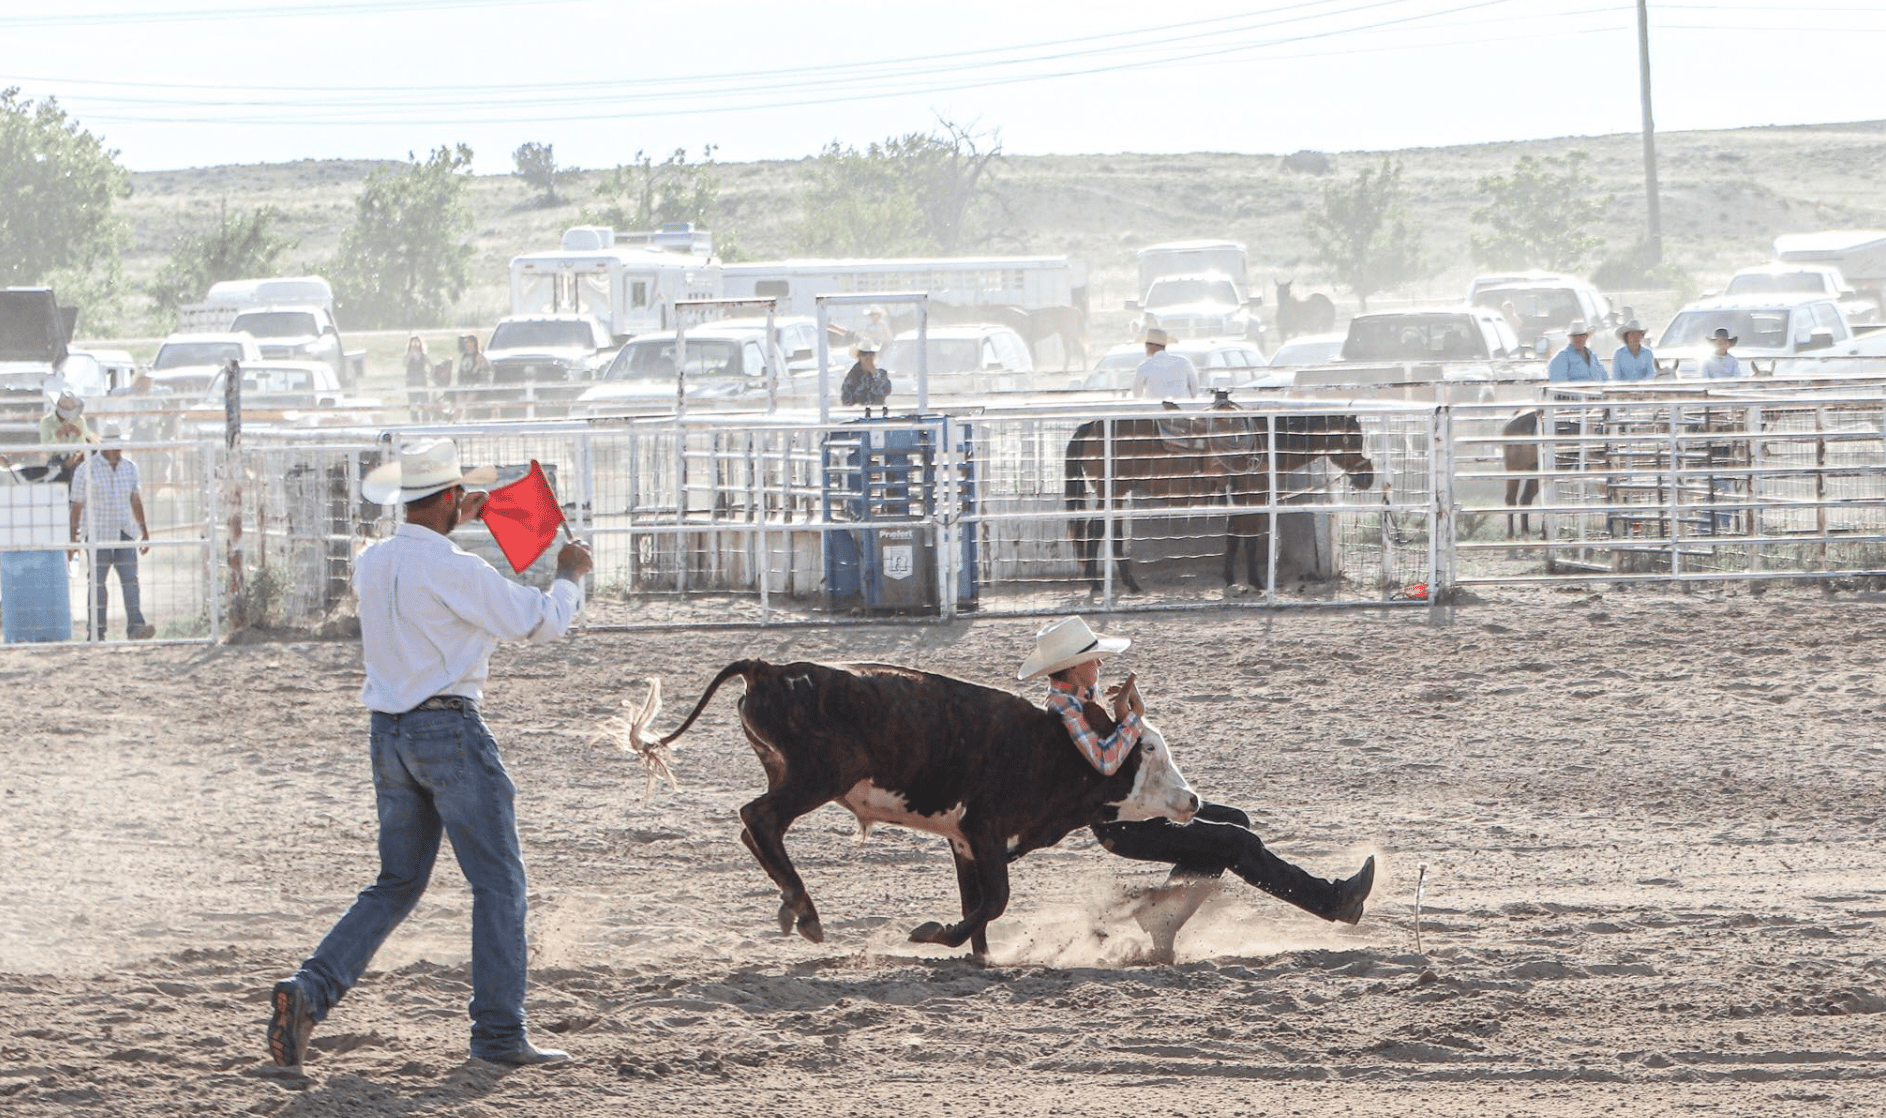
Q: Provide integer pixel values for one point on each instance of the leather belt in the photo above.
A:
(445, 702)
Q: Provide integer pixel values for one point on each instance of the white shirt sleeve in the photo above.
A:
(510, 611)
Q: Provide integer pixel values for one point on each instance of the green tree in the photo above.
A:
(238, 247)
(406, 257)
(644, 194)
(1541, 215)
(918, 193)
(1362, 232)
(61, 183)
(537, 165)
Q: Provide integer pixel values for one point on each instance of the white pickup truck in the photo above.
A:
(1823, 280)
(1776, 334)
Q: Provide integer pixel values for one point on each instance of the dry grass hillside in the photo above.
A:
(1726, 194)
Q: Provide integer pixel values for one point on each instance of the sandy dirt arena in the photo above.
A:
(1651, 824)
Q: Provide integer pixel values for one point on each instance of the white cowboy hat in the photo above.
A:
(1631, 327)
(1722, 335)
(425, 467)
(1066, 643)
(1155, 336)
(112, 433)
(866, 345)
(1576, 328)
(68, 406)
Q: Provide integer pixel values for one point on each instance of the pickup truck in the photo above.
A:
(1823, 280)
(299, 332)
(1780, 334)
(1203, 305)
(1544, 304)
(543, 359)
(1453, 335)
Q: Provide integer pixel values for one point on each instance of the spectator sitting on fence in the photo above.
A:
(107, 506)
(877, 327)
(866, 384)
(1722, 364)
(65, 425)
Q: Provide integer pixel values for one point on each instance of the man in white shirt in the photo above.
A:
(1164, 376)
(108, 510)
(430, 614)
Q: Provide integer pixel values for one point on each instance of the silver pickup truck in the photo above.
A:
(1776, 334)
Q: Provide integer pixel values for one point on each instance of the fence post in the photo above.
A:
(232, 489)
(1441, 517)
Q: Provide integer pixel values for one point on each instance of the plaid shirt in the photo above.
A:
(1105, 754)
(105, 492)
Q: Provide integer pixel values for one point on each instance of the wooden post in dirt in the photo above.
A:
(231, 471)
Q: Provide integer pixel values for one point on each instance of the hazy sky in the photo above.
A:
(177, 84)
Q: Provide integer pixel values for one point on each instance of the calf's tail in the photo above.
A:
(741, 668)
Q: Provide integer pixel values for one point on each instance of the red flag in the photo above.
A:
(524, 517)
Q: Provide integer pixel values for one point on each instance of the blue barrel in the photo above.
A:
(35, 596)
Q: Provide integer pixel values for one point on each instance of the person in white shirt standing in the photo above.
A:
(1164, 376)
(106, 507)
(430, 615)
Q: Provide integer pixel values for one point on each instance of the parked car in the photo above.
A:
(546, 357)
(1456, 334)
(796, 335)
(725, 364)
(1775, 327)
(1822, 280)
(282, 384)
(302, 332)
(1204, 305)
(969, 358)
(1310, 349)
(186, 363)
(1220, 362)
(1545, 302)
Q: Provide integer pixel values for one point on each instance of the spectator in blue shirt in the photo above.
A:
(1576, 361)
(1633, 360)
(1723, 364)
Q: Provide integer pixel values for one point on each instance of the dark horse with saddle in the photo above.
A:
(1222, 455)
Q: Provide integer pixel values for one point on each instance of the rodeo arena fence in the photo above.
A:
(1390, 493)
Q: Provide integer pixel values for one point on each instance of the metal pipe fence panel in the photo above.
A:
(1713, 487)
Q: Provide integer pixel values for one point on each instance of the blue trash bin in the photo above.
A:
(35, 596)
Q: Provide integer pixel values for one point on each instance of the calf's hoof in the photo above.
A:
(927, 932)
(808, 925)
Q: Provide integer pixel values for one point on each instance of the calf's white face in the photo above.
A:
(1159, 789)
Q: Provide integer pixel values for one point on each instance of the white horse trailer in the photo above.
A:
(1022, 283)
(630, 282)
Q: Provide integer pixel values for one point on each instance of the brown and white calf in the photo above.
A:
(991, 772)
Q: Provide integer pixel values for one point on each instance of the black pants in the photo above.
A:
(1219, 838)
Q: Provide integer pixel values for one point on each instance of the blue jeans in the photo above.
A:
(434, 772)
(124, 560)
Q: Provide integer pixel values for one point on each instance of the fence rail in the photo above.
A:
(753, 520)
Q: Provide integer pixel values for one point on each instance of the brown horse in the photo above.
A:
(1521, 457)
(1204, 459)
(1314, 315)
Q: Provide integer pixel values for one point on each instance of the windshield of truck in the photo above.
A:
(1767, 329)
(654, 359)
(542, 335)
(1176, 292)
(1539, 308)
(176, 355)
(947, 355)
(276, 324)
(1414, 337)
(1777, 283)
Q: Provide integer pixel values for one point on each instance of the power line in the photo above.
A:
(831, 90)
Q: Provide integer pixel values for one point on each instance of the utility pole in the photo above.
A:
(1653, 241)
